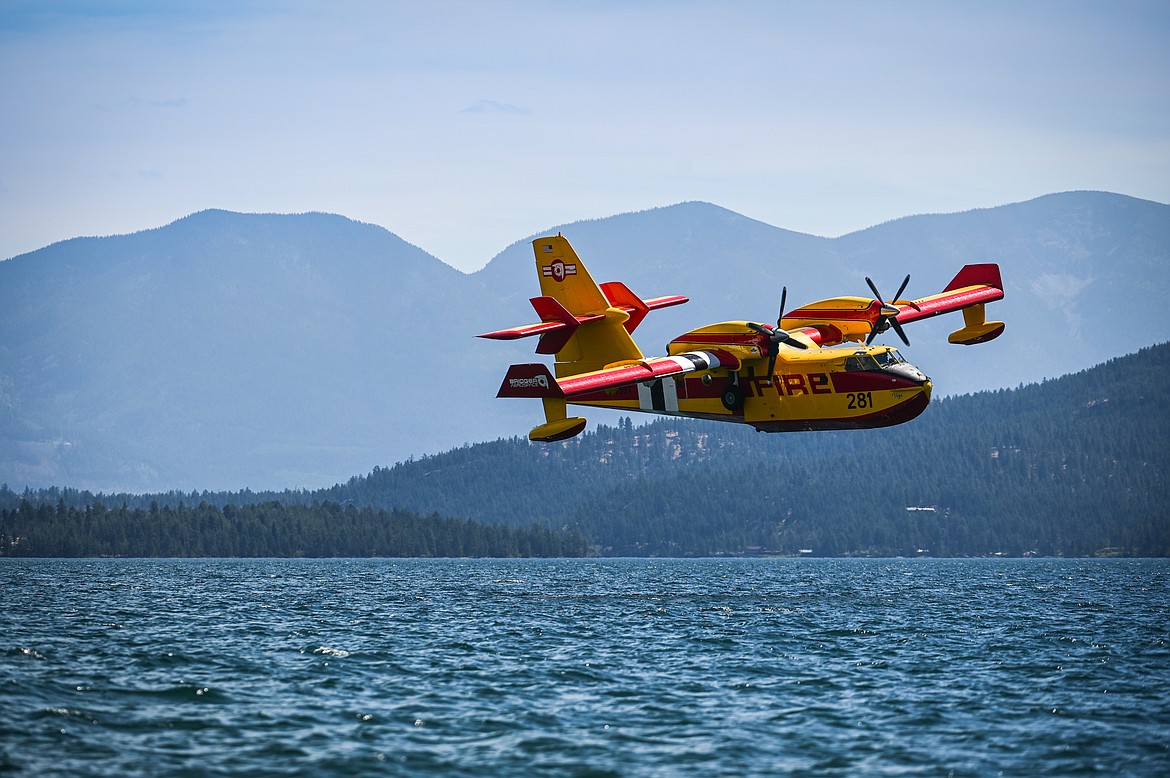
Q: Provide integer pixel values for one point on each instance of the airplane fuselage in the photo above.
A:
(848, 387)
(815, 369)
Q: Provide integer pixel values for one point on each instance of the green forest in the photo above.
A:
(269, 529)
(1075, 466)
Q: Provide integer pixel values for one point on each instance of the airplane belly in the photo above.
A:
(847, 401)
(903, 411)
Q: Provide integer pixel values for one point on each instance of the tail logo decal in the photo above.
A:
(559, 270)
(538, 381)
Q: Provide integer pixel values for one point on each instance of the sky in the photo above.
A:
(463, 127)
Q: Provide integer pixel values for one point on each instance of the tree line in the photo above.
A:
(268, 529)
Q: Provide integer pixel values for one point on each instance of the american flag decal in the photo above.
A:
(547, 248)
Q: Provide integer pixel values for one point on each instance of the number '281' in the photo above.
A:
(858, 400)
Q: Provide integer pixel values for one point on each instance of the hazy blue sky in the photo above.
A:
(465, 126)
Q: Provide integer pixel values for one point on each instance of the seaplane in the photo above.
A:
(817, 368)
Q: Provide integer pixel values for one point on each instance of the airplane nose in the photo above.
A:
(910, 373)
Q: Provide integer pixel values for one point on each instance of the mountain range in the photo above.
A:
(229, 350)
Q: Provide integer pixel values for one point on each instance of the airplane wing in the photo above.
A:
(829, 322)
(974, 285)
(535, 380)
(972, 288)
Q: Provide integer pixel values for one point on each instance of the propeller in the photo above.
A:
(776, 335)
(889, 313)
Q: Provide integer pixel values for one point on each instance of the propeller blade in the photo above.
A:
(898, 329)
(888, 316)
(777, 335)
(902, 288)
(791, 341)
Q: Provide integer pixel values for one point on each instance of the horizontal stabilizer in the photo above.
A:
(523, 331)
(557, 324)
(554, 317)
(620, 296)
(654, 303)
(550, 310)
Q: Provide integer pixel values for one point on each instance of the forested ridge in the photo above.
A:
(268, 529)
(1073, 466)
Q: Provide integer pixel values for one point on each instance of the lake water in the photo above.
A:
(585, 667)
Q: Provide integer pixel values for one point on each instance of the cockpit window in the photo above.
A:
(888, 358)
(861, 362)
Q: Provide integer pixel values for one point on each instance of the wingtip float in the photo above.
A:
(800, 374)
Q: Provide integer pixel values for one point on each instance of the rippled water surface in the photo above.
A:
(585, 667)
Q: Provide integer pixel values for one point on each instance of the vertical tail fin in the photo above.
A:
(597, 343)
(588, 328)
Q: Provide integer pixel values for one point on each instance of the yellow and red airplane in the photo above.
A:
(816, 369)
